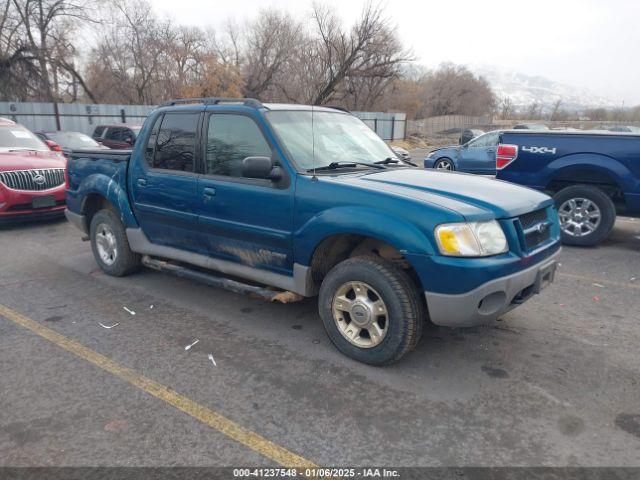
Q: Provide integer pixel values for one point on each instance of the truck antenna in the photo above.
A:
(313, 145)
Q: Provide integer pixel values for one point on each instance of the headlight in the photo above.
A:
(475, 239)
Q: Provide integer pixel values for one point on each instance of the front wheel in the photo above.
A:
(444, 164)
(371, 310)
(587, 214)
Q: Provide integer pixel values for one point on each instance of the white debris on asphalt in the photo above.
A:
(189, 346)
(108, 326)
(597, 285)
(129, 310)
(151, 306)
(632, 279)
(212, 360)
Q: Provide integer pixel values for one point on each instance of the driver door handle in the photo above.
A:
(142, 182)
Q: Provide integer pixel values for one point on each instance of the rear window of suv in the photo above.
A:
(15, 137)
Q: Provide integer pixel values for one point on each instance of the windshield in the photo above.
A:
(73, 140)
(338, 137)
(15, 137)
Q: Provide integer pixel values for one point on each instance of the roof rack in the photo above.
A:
(249, 102)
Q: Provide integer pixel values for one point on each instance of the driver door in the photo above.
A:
(479, 155)
(245, 220)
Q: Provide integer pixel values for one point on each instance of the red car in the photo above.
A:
(121, 136)
(32, 178)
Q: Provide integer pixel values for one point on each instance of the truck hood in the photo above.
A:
(474, 197)
(28, 160)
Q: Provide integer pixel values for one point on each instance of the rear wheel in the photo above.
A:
(110, 245)
(371, 310)
(444, 164)
(587, 214)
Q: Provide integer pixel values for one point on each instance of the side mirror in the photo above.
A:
(260, 167)
(53, 146)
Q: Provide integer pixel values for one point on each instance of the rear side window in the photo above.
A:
(98, 131)
(176, 142)
(231, 139)
(150, 149)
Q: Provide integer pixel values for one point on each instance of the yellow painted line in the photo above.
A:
(207, 416)
(600, 281)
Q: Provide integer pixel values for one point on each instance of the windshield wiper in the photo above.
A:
(391, 160)
(346, 164)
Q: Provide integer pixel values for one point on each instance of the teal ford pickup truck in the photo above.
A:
(311, 201)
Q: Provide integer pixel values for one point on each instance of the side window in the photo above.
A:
(492, 140)
(114, 133)
(478, 142)
(98, 132)
(176, 142)
(127, 136)
(151, 143)
(231, 139)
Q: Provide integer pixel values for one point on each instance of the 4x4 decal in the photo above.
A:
(539, 150)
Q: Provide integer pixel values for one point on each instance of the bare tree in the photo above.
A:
(42, 22)
(534, 111)
(506, 108)
(454, 89)
(270, 40)
(555, 110)
(370, 50)
(143, 59)
(126, 62)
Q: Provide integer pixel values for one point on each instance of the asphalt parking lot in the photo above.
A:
(555, 383)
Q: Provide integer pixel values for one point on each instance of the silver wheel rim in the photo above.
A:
(106, 244)
(579, 217)
(444, 165)
(360, 314)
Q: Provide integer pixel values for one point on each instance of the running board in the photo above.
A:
(221, 282)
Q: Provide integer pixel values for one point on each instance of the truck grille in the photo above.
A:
(33, 180)
(536, 229)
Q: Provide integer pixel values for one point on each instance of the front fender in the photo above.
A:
(429, 162)
(601, 165)
(111, 189)
(366, 221)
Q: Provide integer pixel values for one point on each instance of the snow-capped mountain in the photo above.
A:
(524, 90)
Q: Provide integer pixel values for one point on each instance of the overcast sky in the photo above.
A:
(587, 43)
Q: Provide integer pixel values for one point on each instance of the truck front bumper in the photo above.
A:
(492, 299)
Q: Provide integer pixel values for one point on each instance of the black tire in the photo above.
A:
(603, 203)
(406, 314)
(124, 260)
(442, 160)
